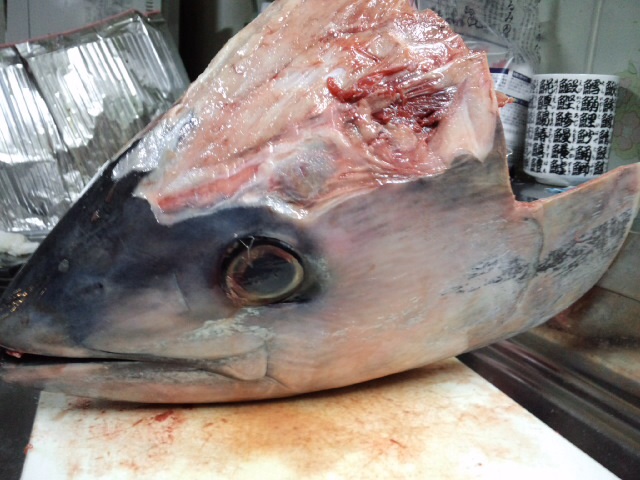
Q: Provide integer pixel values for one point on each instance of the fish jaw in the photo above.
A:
(143, 382)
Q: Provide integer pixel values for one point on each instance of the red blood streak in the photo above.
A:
(163, 416)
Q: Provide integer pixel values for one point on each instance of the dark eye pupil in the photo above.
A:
(262, 271)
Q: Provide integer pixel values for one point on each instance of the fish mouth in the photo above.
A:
(244, 367)
(144, 380)
(15, 359)
(39, 370)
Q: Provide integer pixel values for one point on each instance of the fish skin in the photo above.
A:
(399, 272)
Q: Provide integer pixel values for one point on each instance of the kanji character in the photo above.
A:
(541, 134)
(588, 120)
(565, 102)
(591, 87)
(564, 119)
(568, 85)
(547, 86)
(562, 135)
(609, 104)
(583, 153)
(580, 168)
(544, 102)
(602, 153)
(585, 136)
(607, 120)
(589, 104)
(543, 117)
(558, 167)
(603, 137)
(561, 150)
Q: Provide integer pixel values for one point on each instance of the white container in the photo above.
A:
(570, 127)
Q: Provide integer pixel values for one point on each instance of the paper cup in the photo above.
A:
(569, 127)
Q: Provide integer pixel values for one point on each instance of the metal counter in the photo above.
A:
(17, 410)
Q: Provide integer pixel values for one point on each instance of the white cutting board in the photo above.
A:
(439, 422)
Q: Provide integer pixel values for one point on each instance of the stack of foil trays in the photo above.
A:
(69, 103)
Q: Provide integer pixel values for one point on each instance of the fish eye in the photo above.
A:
(261, 271)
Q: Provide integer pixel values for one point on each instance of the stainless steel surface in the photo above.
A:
(17, 411)
(623, 277)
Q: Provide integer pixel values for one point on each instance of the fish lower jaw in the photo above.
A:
(134, 381)
(142, 380)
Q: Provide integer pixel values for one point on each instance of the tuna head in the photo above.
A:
(328, 203)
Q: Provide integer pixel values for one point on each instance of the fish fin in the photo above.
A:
(583, 230)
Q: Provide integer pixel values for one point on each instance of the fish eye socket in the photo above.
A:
(261, 271)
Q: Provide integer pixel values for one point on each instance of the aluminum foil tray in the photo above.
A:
(70, 102)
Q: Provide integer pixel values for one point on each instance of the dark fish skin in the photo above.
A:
(329, 203)
(110, 247)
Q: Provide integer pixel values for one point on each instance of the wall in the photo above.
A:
(206, 25)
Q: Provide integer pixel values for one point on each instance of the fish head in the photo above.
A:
(244, 302)
(327, 204)
(247, 303)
